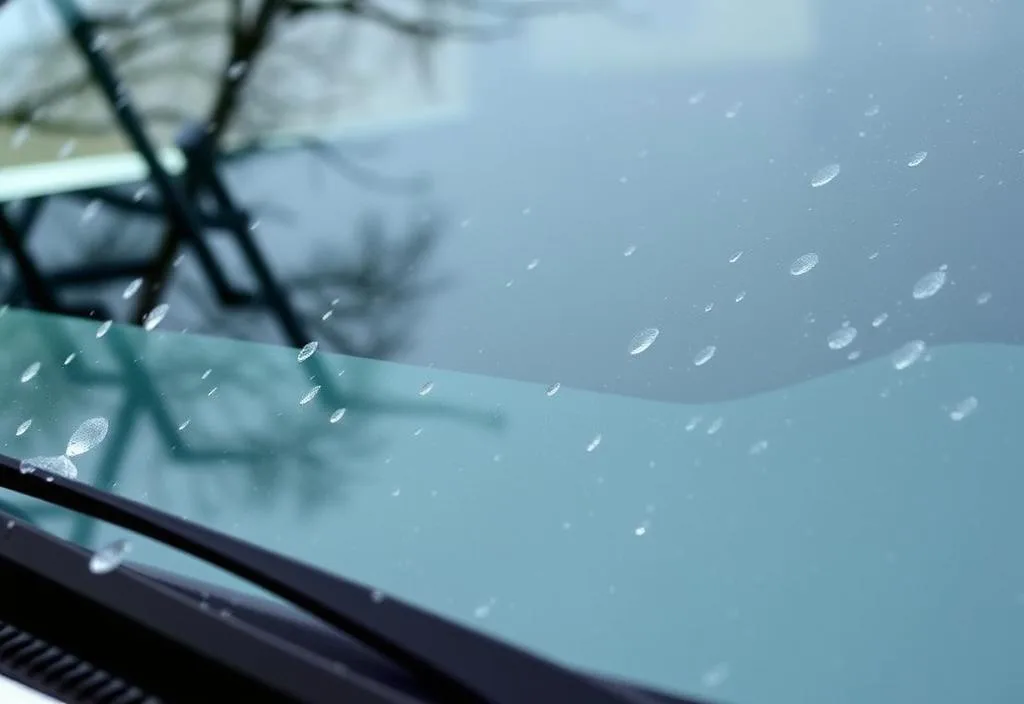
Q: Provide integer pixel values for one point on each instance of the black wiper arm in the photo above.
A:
(456, 662)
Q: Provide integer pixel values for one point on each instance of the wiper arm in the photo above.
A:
(456, 663)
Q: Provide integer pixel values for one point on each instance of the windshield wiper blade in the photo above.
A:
(456, 663)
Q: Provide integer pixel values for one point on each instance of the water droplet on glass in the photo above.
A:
(716, 676)
(91, 210)
(308, 350)
(30, 372)
(824, 175)
(87, 436)
(532, 265)
(804, 263)
(917, 159)
(592, 445)
(908, 354)
(23, 428)
(630, 251)
(964, 408)
(20, 136)
(553, 389)
(736, 257)
(841, 337)
(426, 388)
(930, 284)
(642, 340)
(60, 465)
(155, 316)
(103, 328)
(879, 320)
(716, 425)
(337, 415)
(109, 558)
(310, 395)
(983, 298)
(705, 355)
(236, 69)
(641, 529)
(131, 289)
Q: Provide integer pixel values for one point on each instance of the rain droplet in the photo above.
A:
(716, 425)
(983, 298)
(308, 350)
(641, 530)
(67, 149)
(553, 389)
(965, 408)
(930, 284)
(155, 316)
(842, 337)
(23, 428)
(70, 358)
(60, 465)
(532, 265)
(206, 374)
(109, 558)
(131, 289)
(917, 159)
(88, 435)
(185, 424)
(103, 328)
(592, 445)
(426, 388)
(376, 596)
(642, 340)
(709, 307)
(804, 263)
(740, 296)
(236, 69)
(873, 111)
(736, 257)
(879, 320)
(697, 97)
(30, 372)
(704, 356)
(310, 395)
(630, 250)
(692, 424)
(824, 175)
(337, 415)
(908, 354)
(758, 447)
(483, 611)
(90, 211)
(716, 676)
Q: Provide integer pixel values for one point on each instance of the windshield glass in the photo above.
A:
(673, 339)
